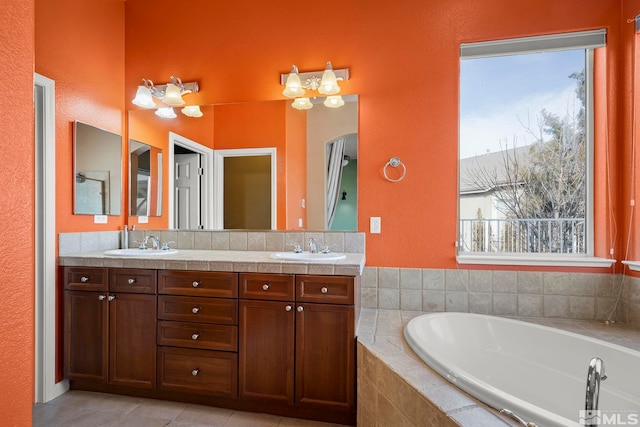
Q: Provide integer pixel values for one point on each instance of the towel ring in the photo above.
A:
(394, 162)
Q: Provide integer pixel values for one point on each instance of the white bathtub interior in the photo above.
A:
(535, 371)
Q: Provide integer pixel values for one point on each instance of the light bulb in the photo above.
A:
(172, 96)
(334, 101)
(329, 83)
(293, 88)
(301, 104)
(192, 111)
(143, 98)
(166, 113)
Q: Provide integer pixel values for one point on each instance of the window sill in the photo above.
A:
(542, 260)
(633, 265)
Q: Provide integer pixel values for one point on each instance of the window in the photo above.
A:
(525, 146)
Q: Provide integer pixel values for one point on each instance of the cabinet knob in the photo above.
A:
(132, 281)
(195, 310)
(101, 297)
(265, 287)
(195, 336)
(300, 309)
(111, 297)
(324, 290)
(195, 283)
(288, 308)
(195, 372)
(84, 279)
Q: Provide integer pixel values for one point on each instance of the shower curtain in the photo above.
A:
(334, 176)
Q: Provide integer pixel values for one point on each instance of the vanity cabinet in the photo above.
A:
(108, 316)
(198, 332)
(297, 340)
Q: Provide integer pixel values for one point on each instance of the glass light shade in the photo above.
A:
(166, 113)
(301, 104)
(172, 96)
(329, 83)
(293, 88)
(334, 101)
(192, 111)
(143, 98)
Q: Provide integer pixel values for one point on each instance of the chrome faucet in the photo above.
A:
(313, 245)
(595, 374)
(155, 242)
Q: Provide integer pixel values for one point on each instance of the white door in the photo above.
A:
(187, 191)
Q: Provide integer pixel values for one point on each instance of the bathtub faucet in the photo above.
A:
(595, 374)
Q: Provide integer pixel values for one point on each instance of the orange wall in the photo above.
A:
(630, 133)
(80, 45)
(16, 212)
(403, 58)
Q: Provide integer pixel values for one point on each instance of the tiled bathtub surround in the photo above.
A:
(395, 388)
(505, 293)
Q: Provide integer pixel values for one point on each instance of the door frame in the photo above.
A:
(206, 185)
(45, 387)
(218, 189)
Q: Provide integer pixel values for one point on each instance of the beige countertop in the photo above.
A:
(220, 260)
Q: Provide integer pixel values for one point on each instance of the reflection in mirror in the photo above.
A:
(300, 140)
(145, 179)
(98, 171)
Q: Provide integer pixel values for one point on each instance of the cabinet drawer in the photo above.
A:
(198, 371)
(277, 287)
(197, 309)
(198, 335)
(198, 283)
(325, 289)
(86, 278)
(132, 280)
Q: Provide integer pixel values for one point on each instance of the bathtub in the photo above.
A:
(537, 372)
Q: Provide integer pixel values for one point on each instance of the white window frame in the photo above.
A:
(587, 40)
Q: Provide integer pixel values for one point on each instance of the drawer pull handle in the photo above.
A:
(195, 336)
(84, 279)
(195, 310)
(111, 297)
(195, 372)
(288, 308)
(101, 297)
(195, 283)
(132, 281)
(300, 309)
(265, 287)
(324, 290)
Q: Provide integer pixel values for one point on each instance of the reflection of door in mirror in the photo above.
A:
(145, 179)
(98, 171)
(247, 192)
(187, 189)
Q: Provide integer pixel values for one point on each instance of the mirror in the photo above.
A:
(145, 179)
(301, 140)
(97, 170)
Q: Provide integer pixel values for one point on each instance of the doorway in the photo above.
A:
(246, 179)
(46, 387)
(190, 184)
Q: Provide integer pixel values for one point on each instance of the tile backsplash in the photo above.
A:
(505, 293)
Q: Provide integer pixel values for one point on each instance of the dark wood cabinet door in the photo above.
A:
(86, 339)
(266, 350)
(132, 336)
(325, 356)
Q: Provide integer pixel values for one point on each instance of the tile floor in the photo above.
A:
(87, 409)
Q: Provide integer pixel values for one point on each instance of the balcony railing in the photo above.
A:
(562, 235)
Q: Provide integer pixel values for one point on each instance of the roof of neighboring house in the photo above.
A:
(483, 173)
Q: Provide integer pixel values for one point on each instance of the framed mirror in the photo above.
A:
(97, 170)
(145, 179)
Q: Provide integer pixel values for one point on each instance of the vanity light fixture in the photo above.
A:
(325, 82)
(170, 93)
(166, 113)
(192, 111)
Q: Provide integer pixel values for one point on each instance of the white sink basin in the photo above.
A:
(308, 256)
(140, 252)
